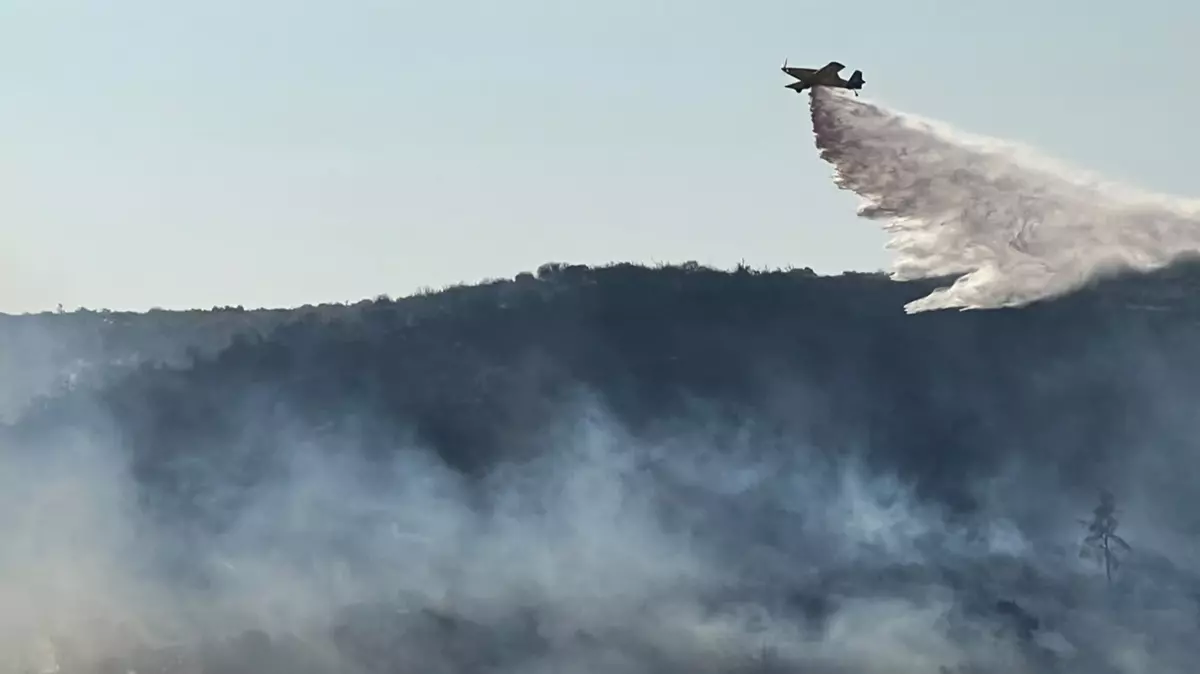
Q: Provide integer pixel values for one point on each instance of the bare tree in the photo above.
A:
(1101, 538)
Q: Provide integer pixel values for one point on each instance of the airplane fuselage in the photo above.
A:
(827, 76)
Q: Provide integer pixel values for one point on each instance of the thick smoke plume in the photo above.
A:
(1014, 226)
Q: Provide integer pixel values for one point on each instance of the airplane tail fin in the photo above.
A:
(856, 80)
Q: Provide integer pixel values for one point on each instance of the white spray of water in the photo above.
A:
(1014, 226)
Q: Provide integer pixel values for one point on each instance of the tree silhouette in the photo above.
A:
(1102, 538)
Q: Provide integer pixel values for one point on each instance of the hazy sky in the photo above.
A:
(272, 152)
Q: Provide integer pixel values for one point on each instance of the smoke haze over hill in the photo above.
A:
(628, 470)
(622, 470)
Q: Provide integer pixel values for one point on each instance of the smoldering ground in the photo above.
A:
(613, 553)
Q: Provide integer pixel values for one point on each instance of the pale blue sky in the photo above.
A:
(270, 152)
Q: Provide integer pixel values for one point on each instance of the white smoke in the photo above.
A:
(1014, 226)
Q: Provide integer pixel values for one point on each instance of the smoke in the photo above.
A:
(706, 551)
(71, 554)
(609, 554)
(1013, 226)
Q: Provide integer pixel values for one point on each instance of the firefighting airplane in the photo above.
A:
(823, 77)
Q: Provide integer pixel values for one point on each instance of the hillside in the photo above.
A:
(729, 422)
(51, 352)
(474, 370)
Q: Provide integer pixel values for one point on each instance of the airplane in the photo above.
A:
(826, 76)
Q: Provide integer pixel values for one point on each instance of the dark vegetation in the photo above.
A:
(50, 353)
(944, 400)
(471, 370)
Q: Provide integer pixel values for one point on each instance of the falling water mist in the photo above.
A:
(1013, 226)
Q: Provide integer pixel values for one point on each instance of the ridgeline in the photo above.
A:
(474, 371)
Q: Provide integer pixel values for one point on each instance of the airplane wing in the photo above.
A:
(801, 73)
(831, 68)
